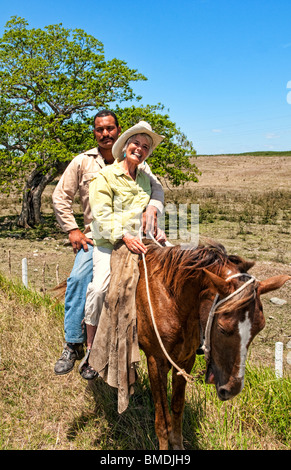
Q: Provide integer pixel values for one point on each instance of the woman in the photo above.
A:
(118, 196)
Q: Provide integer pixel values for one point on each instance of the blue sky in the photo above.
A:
(222, 68)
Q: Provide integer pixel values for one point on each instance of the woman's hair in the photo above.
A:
(148, 137)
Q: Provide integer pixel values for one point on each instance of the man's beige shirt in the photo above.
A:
(77, 176)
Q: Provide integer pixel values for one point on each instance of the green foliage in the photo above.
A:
(171, 159)
(49, 82)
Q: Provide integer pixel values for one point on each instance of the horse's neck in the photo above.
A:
(188, 300)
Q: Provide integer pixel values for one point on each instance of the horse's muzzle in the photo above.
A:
(231, 389)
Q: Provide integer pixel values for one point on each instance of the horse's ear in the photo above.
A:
(219, 283)
(242, 264)
(246, 265)
(273, 283)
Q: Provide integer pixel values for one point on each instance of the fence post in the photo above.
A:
(57, 274)
(24, 272)
(43, 278)
(9, 262)
(279, 359)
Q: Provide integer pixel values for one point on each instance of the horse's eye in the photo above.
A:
(223, 330)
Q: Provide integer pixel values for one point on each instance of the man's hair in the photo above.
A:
(103, 113)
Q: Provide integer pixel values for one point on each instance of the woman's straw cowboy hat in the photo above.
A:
(142, 127)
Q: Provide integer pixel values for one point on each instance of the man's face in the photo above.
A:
(106, 132)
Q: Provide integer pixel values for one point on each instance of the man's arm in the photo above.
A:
(157, 196)
(63, 197)
(156, 204)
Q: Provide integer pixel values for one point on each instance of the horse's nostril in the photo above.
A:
(223, 393)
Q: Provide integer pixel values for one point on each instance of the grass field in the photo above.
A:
(245, 204)
(42, 411)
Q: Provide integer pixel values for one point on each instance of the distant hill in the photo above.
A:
(258, 154)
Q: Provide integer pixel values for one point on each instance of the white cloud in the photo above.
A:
(272, 135)
(216, 130)
(269, 147)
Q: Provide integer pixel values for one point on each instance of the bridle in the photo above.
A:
(215, 305)
(206, 346)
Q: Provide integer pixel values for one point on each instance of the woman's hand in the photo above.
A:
(149, 220)
(161, 236)
(134, 244)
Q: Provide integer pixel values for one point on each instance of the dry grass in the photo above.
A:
(35, 405)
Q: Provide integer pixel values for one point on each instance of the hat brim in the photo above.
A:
(139, 128)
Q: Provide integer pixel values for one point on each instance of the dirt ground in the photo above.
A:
(244, 173)
(51, 259)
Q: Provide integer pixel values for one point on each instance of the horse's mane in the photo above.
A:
(177, 264)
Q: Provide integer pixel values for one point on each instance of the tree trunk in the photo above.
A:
(30, 215)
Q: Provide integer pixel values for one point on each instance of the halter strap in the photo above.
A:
(206, 346)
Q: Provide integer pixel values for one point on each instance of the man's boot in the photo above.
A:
(70, 354)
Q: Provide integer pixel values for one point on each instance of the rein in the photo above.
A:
(187, 377)
(215, 305)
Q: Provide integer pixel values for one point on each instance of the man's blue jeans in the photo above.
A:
(75, 298)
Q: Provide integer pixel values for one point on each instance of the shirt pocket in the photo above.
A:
(84, 184)
(87, 178)
(144, 184)
(124, 196)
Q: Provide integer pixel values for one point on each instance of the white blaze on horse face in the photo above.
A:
(244, 329)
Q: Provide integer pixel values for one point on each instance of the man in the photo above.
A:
(76, 178)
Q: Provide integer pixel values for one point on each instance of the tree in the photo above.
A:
(171, 160)
(51, 82)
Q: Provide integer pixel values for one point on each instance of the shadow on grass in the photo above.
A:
(48, 228)
(135, 428)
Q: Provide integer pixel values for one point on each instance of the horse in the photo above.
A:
(182, 287)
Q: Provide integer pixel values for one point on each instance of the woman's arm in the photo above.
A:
(101, 203)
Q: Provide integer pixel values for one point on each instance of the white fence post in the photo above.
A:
(24, 272)
(279, 359)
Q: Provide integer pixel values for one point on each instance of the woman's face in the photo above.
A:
(138, 149)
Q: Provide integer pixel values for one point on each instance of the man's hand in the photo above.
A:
(150, 220)
(79, 240)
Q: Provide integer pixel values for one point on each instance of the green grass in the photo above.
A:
(39, 410)
(248, 421)
(25, 295)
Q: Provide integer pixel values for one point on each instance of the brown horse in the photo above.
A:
(183, 285)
